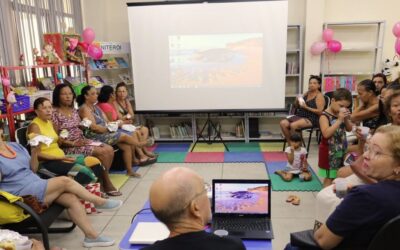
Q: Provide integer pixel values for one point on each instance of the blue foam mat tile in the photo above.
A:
(243, 157)
(172, 147)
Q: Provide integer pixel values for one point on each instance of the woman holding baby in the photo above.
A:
(308, 109)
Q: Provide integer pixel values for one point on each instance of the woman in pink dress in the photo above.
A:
(66, 122)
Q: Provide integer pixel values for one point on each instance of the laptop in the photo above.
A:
(243, 208)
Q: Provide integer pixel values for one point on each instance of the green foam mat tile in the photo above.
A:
(171, 157)
(295, 185)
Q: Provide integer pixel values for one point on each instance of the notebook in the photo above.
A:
(243, 208)
(148, 233)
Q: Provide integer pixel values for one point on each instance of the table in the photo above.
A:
(148, 216)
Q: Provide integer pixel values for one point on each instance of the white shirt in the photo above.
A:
(296, 159)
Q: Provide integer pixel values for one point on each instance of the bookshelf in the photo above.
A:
(360, 58)
(25, 80)
(294, 63)
(113, 67)
(234, 126)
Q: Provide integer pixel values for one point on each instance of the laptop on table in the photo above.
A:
(243, 208)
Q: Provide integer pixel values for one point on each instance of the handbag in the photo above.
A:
(34, 203)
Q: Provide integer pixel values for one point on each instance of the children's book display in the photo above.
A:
(110, 63)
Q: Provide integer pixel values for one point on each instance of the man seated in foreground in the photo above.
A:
(179, 200)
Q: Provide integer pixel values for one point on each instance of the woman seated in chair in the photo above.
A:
(125, 111)
(51, 156)
(66, 122)
(368, 111)
(366, 208)
(18, 178)
(308, 112)
(106, 100)
(98, 128)
(351, 221)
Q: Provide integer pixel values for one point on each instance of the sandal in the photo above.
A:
(296, 201)
(104, 195)
(290, 198)
(150, 142)
(134, 174)
(114, 193)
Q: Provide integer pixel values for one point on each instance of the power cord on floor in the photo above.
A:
(140, 211)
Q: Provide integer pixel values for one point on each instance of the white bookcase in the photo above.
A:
(234, 126)
(361, 54)
(113, 67)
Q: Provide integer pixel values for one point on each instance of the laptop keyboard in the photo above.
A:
(241, 224)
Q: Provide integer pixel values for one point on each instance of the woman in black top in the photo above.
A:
(307, 113)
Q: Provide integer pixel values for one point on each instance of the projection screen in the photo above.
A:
(206, 56)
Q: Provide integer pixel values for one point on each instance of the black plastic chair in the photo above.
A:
(387, 237)
(38, 223)
(311, 130)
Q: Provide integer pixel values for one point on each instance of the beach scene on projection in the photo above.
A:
(241, 198)
(214, 61)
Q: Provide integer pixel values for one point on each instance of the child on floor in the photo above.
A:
(297, 161)
(334, 122)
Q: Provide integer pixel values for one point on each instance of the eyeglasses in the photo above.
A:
(206, 189)
(372, 153)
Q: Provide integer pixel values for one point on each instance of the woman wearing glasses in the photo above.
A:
(366, 208)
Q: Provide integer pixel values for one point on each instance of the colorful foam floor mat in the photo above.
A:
(269, 153)
(216, 152)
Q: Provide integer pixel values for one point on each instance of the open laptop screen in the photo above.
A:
(241, 198)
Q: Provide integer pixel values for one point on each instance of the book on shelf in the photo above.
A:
(121, 62)
(112, 63)
(126, 78)
(292, 67)
(331, 83)
(101, 63)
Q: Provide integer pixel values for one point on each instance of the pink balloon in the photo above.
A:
(88, 35)
(327, 35)
(317, 48)
(396, 46)
(6, 82)
(94, 52)
(334, 46)
(396, 29)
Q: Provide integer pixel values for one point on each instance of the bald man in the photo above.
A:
(179, 199)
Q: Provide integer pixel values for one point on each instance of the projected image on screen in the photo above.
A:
(216, 61)
(241, 198)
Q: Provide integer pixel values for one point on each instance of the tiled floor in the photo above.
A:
(285, 217)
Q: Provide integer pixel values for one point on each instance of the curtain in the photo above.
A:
(23, 23)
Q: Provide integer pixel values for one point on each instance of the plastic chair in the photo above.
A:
(387, 236)
(310, 130)
(38, 223)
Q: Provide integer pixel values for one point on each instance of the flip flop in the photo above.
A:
(290, 198)
(296, 201)
(114, 193)
(148, 162)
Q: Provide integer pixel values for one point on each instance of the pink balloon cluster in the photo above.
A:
(396, 33)
(329, 43)
(93, 50)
